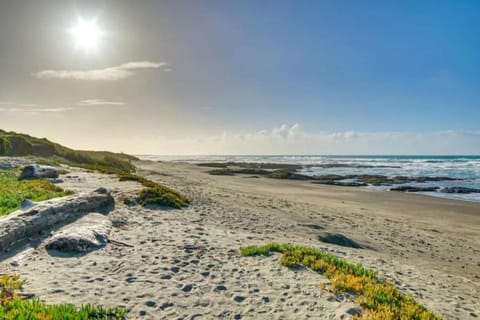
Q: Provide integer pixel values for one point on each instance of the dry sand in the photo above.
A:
(185, 264)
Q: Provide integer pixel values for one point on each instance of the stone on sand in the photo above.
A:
(36, 172)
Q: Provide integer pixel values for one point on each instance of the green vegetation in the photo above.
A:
(162, 196)
(17, 144)
(379, 297)
(12, 306)
(13, 192)
(156, 194)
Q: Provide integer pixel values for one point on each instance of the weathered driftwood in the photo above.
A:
(86, 234)
(21, 224)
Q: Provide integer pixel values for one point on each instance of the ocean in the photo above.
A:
(463, 167)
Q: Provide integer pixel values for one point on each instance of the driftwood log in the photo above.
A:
(22, 224)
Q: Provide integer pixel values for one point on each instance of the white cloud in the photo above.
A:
(31, 108)
(291, 139)
(36, 110)
(119, 72)
(99, 102)
(346, 135)
(284, 131)
(26, 105)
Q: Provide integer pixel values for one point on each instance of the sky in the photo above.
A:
(244, 77)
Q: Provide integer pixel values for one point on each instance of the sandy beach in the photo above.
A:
(186, 264)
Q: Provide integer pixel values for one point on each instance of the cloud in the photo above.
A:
(292, 139)
(99, 102)
(346, 135)
(36, 110)
(284, 131)
(15, 107)
(31, 108)
(26, 105)
(119, 72)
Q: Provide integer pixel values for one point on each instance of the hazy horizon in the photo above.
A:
(246, 77)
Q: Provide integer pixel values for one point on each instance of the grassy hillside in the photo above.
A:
(17, 144)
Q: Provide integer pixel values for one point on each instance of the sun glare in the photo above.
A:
(86, 35)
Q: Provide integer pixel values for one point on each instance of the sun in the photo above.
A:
(87, 35)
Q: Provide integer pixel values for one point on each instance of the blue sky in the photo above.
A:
(219, 69)
(345, 65)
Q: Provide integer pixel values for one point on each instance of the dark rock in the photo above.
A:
(414, 189)
(222, 172)
(375, 180)
(283, 174)
(342, 183)
(251, 171)
(36, 172)
(213, 164)
(328, 177)
(435, 179)
(462, 190)
(340, 240)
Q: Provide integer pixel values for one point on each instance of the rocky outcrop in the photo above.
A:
(414, 189)
(341, 183)
(459, 190)
(21, 224)
(37, 172)
(86, 234)
(283, 174)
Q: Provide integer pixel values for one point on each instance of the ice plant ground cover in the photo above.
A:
(379, 297)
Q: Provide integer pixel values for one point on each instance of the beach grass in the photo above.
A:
(156, 194)
(13, 191)
(379, 298)
(12, 306)
(162, 196)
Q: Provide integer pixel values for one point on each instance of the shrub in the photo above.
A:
(162, 196)
(156, 194)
